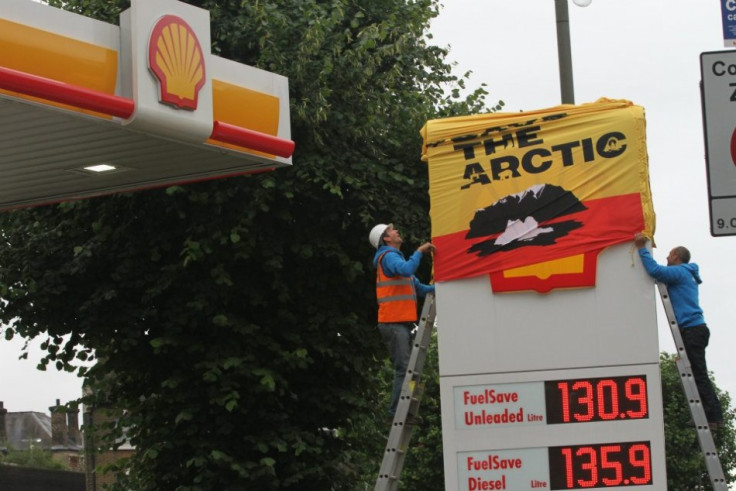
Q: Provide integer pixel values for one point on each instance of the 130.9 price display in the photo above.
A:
(600, 465)
(596, 399)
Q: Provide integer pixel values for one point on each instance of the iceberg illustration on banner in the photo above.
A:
(526, 229)
(525, 219)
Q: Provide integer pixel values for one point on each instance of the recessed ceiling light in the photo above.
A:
(100, 168)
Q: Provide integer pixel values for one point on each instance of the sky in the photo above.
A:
(23, 388)
(646, 51)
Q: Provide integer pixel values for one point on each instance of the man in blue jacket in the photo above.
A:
(682, 279)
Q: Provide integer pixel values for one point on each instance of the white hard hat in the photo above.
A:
(376, 233)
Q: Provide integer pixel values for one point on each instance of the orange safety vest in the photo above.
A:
(397, 298)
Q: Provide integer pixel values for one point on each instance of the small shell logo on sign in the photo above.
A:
(175, 58)
(733, 146)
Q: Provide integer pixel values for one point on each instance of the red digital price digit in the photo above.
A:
(610, 388)
(565, 402)
(611, 463)
(586, 400)
(636, 390)
(639, 457)
(590, 465)
(566, 452)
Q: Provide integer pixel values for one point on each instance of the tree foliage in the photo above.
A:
(685, 462)
(33, 457)
(233, 320)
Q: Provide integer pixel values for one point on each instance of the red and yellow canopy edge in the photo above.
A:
(52, 69)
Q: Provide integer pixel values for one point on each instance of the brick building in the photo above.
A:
(96, 455)
(57, 432)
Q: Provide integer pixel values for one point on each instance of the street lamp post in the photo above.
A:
(564, 55)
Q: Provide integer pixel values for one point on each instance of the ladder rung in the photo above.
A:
(396, 451)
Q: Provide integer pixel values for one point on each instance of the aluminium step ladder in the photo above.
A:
(408, 406)
(705, 437)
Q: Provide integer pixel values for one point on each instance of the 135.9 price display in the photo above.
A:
(596, 399)
(600, 465)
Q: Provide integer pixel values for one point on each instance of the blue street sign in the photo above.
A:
(728, 13)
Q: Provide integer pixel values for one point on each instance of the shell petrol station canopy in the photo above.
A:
(89, 108)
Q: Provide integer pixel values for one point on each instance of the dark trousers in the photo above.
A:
(398, 341)
(695, 340)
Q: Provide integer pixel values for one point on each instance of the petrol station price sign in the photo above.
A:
(589, 466)
(551, 402)
(580, 400)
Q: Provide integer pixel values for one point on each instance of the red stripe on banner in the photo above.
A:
(605, 222)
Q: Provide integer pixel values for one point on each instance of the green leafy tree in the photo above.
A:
(685, 463)
(233, 320)
(34, 457)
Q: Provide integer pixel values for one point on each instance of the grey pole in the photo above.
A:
(563, 52)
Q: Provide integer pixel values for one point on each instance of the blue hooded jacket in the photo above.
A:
(682, 282)
(394, 264)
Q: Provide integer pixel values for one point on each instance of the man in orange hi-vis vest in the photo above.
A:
(397, 290)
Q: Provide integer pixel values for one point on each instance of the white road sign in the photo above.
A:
(718, 75)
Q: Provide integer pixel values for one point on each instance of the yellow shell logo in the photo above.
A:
(175, 57)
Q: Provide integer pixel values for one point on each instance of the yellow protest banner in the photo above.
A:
(510, 192)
